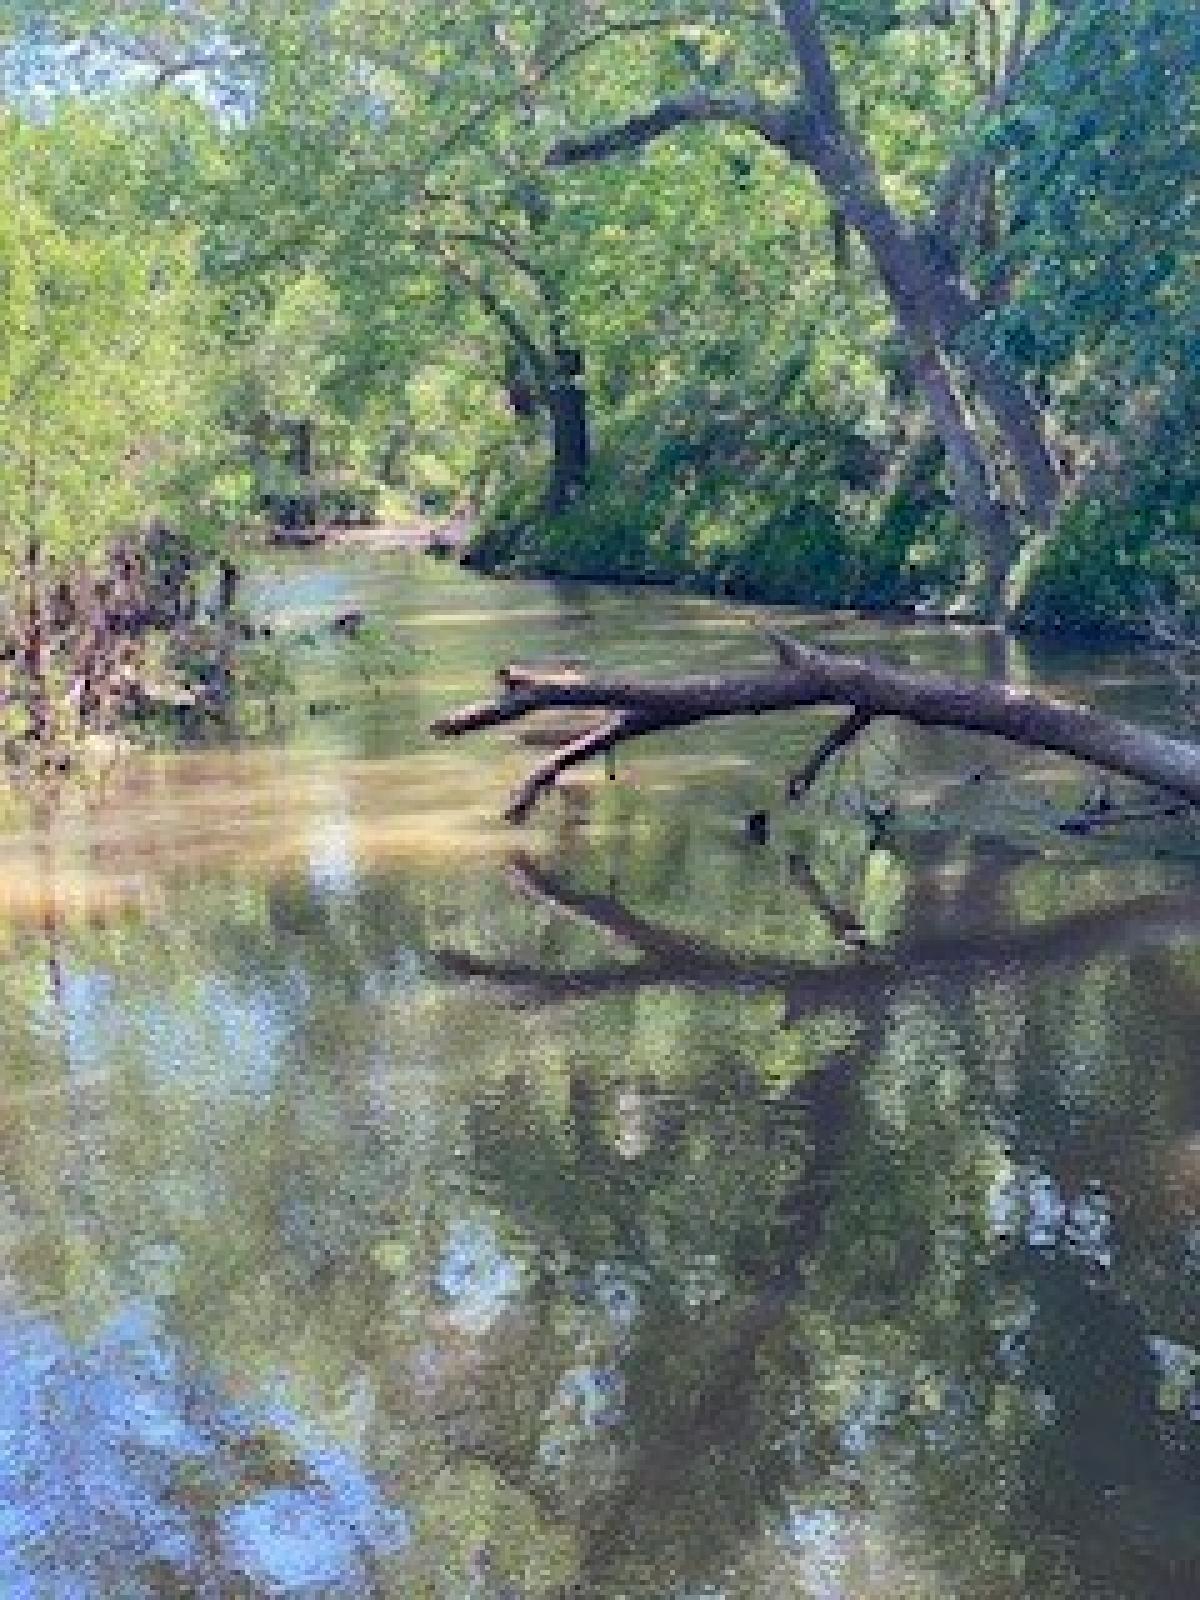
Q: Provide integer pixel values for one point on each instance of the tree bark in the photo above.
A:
(1021, 424)
(966, 461)
(809, 677)
(540, 373)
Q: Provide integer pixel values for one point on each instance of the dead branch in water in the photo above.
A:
(806, 677)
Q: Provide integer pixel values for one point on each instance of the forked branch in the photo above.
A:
(810, 677)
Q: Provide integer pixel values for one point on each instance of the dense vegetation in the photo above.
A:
(877, 303)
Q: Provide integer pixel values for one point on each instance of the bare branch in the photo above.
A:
(170, 71)
(802, 23)
(499, 244)
(1018, 39)
(168, 59)
(960, 180)
(499, 312)
(991, 70)
(564, 57)
(813, 677)
(545, 775)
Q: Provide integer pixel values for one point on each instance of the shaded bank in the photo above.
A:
(807, 512)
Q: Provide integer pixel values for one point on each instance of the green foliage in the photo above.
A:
(347, 217)
(107, 394)
(785, 527)
(1102, 161)
(1130, 542)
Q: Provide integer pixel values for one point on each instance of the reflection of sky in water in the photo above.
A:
(119, 1469)
(475, 1276)
(332, 864)
(397, 980)
(819, 1534)
(226, 1034)
(1179, 1376)
(284, 1541)
(1033, 1206)
(617, 1298)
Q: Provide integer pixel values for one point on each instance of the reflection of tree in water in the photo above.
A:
(892, 1288)
(641, 1287)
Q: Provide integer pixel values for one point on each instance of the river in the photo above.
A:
(393, 1203)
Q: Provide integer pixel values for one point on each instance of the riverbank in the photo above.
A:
(1123, 551)
(1058, 609)
(443, 535)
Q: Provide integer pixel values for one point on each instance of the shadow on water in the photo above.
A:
(385, 1210)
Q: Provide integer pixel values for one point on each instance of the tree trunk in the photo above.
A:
(926, 297)
(568, 412)
(966, 462)
(917, 269)
(924, 307)
(521, 385)
(1018, 417)
(1020, 423)
(635, 707)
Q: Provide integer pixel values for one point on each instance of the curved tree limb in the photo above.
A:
(540, 71)
(811, 677)
(498, 310)
(749, 111)
(625, 725)
(806, 35)
(918, 267)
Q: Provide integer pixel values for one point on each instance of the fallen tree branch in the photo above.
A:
(544, 776)
(811, 677)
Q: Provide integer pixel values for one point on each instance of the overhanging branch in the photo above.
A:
(548, 67)
(677, 111)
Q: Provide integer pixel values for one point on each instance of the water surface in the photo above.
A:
(395, 1204)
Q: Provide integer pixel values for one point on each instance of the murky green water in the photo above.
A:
(394, 1204)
